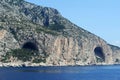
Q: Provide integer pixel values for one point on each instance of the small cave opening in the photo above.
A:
(31, 46)
(99, 54)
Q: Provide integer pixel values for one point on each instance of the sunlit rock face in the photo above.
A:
(7, 42)
(25, 25)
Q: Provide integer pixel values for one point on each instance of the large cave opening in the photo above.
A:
(31, 46)
(99, 54)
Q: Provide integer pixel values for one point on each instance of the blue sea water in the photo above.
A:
(61, 73)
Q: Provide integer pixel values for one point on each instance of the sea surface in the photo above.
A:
(61, 73)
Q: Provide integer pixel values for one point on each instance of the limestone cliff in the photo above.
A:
(50, 38)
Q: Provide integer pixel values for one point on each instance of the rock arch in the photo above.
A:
(99, 54)
(31, 46)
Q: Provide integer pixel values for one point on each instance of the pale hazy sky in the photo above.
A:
(101, 17)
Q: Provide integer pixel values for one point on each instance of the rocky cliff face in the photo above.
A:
(50, 38)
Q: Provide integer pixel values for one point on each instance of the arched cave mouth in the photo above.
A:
(30, 46)
(99, 54)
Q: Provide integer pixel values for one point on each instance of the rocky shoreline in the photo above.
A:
(29, 64)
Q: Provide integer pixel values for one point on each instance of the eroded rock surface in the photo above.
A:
(56, 39)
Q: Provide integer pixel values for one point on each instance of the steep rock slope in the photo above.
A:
(55, 40)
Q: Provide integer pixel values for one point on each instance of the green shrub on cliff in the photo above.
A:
(45, 30)
(56, 27)
(23, 55)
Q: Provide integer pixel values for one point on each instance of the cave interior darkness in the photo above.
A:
(31, 46)
(99, 54)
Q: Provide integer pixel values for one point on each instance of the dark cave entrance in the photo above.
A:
(100, 57)
(31, 46)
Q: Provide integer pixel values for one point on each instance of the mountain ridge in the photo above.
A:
(47, 38)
